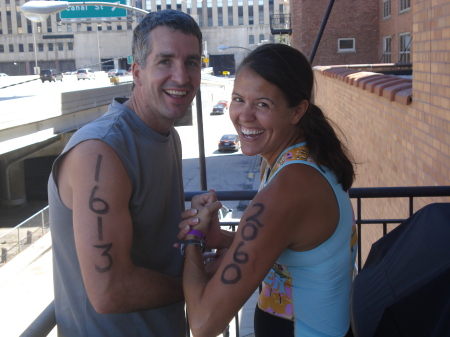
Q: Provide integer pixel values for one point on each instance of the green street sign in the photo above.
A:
(95, 11)
(130, 59)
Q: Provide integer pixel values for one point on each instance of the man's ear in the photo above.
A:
(299, 111)
(136, 70)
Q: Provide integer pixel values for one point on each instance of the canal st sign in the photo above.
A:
(95, 11)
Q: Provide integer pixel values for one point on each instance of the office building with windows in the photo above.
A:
(66, 43)
(357, 32)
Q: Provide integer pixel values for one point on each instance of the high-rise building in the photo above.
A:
(104, 43)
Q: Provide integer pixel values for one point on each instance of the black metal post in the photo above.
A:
(201, 141)
(322, 28)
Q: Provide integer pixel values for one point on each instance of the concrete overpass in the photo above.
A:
(35, 128)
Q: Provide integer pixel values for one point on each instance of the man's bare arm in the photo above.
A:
(94, 184)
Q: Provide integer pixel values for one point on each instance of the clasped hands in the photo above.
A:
(203, 216)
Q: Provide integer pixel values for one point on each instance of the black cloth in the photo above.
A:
(267, 325)
(405, 279)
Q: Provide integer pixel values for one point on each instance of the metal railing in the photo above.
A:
(46, 321)
(23, 235)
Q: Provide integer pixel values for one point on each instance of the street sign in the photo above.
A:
(130, 59)
(94, 11)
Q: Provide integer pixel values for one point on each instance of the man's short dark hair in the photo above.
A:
(177, 20)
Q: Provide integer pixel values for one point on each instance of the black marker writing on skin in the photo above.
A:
(232, 273)
(100, 206)
(97, 167)
(106, 248)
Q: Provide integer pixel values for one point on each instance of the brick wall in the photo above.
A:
(348, 19)
(400, 143)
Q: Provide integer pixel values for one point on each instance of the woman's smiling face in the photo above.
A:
(261, 116)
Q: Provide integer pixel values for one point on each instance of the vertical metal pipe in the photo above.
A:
(201, 141)
(358, 214)
(322, 28)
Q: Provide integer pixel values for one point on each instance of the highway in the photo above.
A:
(37, 88)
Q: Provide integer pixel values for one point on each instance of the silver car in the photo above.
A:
(85, 74)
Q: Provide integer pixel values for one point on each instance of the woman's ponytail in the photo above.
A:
(325, 147)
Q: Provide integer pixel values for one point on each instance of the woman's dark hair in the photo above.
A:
(290, 71)
(142, 45)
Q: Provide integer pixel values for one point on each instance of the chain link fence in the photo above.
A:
(23, 235)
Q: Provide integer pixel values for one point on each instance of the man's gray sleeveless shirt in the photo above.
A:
(153, 164)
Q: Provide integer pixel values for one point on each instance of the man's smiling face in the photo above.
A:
(171, 78)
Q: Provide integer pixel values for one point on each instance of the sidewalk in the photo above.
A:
(26, 287)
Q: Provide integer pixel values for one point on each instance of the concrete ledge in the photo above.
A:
(90, 98)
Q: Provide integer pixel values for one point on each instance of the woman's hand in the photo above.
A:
(210, 225)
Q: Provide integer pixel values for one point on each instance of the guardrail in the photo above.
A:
(23, 235)
(46, 321)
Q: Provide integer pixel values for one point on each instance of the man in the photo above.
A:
(116, 195)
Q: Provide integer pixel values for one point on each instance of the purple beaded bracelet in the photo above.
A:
(197, 233)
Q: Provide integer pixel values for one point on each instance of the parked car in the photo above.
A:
(111, 72)
(117, 72)
(50, 75)
(224, 102)
(85, 74)
(218, 109)
(229, 142)
(3, 75)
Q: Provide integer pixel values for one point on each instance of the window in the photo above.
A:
(209, 12)
(251, 39)
(386, 9)
(70, 45)
(220, 13)
(261, 12)
(109, 27)
(50, 47)
(2, 48)
(119, 27)
(20, 47)
(387, 40)
(261, 38)
(49, 24)
(59, 27)
(240, 13)
(79, 27)
(60, 46)
(200, 13)
(404, 5)
(89, 28)
(346, 45)
(404, 48)
(40, 46)
(30, 47)
(230, 12)
(11, 48)
(69, 28)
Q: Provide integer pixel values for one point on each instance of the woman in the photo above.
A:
(294, 237)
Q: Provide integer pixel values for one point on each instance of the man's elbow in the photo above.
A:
(107, 304)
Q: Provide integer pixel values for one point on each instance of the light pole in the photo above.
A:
(33, 28)
(38, 11)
